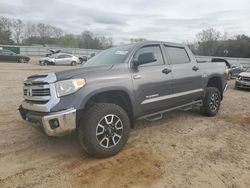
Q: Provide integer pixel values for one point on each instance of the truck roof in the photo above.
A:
(161, 42)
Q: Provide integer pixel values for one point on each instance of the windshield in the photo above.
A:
(247, 69)
(110, 56)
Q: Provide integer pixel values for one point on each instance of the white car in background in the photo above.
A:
(60, 59)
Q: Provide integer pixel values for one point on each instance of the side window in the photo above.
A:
(60, 56)
(177, 55)
(6, 52)
(67, 56)
(152, 48)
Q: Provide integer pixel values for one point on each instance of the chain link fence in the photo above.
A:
(39, 51)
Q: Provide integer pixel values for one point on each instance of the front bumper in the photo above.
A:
(54, 124)
(242, 84)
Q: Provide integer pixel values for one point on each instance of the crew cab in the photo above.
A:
(102, 100)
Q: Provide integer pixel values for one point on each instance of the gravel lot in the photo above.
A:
(184, 149)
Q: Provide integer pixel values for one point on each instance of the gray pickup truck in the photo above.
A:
(101, 100)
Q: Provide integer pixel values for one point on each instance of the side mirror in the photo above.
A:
(145, 58)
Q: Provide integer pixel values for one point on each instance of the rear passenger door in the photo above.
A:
(67, 59)
(59, 60)
(187, 82)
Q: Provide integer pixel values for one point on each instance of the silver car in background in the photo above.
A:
(60, 59)
(243, 80)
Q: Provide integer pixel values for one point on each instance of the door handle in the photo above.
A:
(136, 77)
(195, 68)
(166, 71)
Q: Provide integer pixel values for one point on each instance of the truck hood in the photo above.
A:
(67, 74)
(245, 74)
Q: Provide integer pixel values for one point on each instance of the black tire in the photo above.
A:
(73, 63)
(89, 131)
(45, 63)
(211, 102)
(22, 60)
(81, 60)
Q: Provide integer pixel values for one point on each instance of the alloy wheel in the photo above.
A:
(109, 131)
(214, 102)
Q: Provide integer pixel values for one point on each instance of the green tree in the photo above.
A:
(69, 40)
(5, 37)
(208, 42)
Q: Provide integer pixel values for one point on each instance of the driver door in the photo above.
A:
(152, 82)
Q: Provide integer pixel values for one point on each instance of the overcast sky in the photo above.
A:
(167, 20)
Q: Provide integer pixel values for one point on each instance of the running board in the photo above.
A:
(187, 108)
(158, 115)
(190, 107)
(154, 118)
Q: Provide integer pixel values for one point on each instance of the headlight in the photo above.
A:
(239, 77)
(67, 87)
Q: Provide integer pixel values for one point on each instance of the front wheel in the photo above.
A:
(211, 102)
(104, 130)
(45, 63)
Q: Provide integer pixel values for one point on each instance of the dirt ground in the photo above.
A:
(184, 149)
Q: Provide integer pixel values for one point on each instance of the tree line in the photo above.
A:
(15, 31)
(211, 42)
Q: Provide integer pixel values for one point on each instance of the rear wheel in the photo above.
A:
(104, 130)
(211, 102)
(22, 60)
(73, 63)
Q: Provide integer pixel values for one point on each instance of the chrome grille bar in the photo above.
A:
(246, 78)
(39, 92)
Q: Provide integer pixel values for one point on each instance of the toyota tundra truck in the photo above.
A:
(101, 100)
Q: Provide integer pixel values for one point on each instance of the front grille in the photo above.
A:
(38, 92)
(38, 76)
(36, 83)
(246, 78)
(34, 93)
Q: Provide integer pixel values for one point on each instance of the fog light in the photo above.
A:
(54, 123)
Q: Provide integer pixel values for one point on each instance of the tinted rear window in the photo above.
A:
(177, 55)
